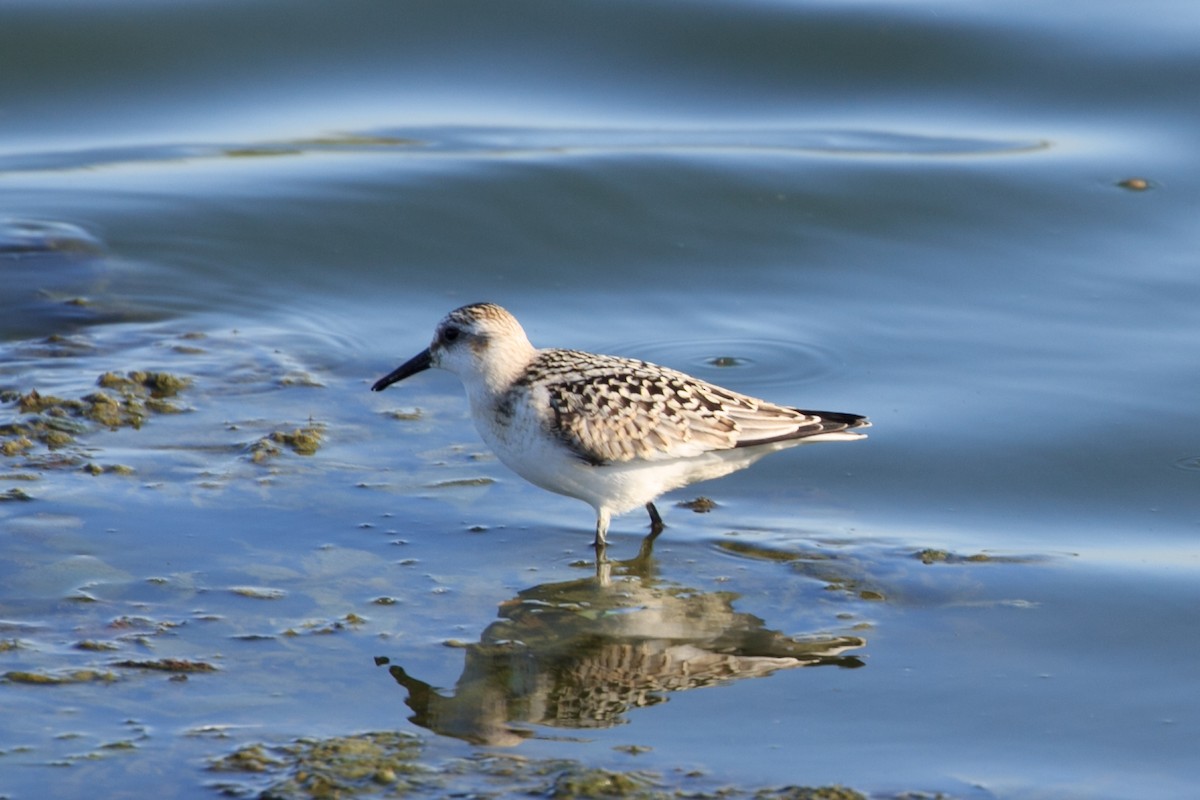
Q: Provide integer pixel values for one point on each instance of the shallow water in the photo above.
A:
(918, 211)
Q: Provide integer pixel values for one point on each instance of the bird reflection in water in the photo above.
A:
(581, 654)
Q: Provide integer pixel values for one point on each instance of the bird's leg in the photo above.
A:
(603, 516)
(656, 527)
(656, 523)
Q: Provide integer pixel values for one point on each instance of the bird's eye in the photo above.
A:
(450, 334)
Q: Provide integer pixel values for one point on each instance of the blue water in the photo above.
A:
(910, 210)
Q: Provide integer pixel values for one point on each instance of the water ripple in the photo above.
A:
(1189, 464)
(472, 142)
(748, 362)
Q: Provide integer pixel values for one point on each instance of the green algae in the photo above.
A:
(111, 469)
(810, 793)
(930, 555)
(158, 384)
(258, 152)
(304, 441)
(390, 764)
(259, 592)
(167, 665)
(458, 483)
(55, 423)
(16, 446)
(326, 627)
(58, 678)
(294, 147)
(358, 140)
(701, 505)
(252, 758)
(263, 450)
(580, 783)
(343, 766)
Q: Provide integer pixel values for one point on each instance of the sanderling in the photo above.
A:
(613, 432)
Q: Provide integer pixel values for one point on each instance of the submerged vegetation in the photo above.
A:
(58, 678)
(44, 424)
(303, 441)
(390, 764)
(42, 431)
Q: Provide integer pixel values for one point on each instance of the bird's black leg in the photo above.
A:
(647, 548)
(656, 523)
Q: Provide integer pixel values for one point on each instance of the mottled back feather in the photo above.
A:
(608, 409)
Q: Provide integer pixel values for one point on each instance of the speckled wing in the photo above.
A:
(611, 410)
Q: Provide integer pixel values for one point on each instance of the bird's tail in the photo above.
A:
(837, 426)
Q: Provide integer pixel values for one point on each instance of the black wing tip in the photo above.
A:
(825, 422)
(850, 421)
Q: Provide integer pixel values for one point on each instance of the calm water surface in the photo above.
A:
(975, 223)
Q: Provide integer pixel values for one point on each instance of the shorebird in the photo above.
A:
(614, 432)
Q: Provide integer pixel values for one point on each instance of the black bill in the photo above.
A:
(418, 363)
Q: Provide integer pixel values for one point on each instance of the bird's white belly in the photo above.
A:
(528, 448)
